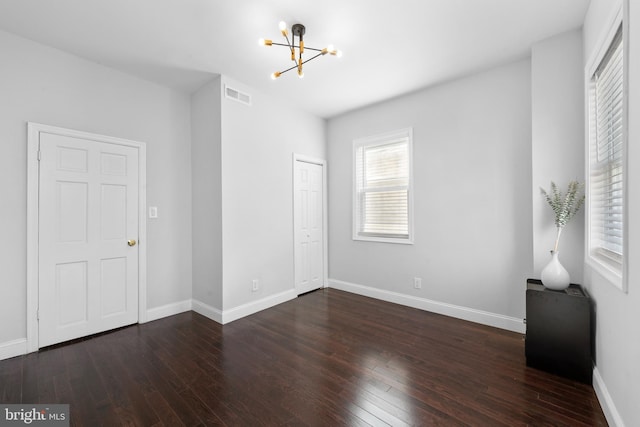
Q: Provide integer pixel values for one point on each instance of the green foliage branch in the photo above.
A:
(564, 205)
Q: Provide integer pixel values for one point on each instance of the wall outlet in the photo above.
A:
(255, 285)
(417, 282)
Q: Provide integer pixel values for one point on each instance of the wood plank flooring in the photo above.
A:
(328, 358)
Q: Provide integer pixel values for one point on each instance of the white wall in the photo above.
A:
(48, 86)
(617, 382)
(206, 175)
(472, 181)
(258, 143)
(557, 121)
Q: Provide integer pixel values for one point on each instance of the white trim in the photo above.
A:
(604, 40)
(255, 306)
(33, 184)
(13, 348)
(207, 311)
(142, 231)
(459, 312)
(19, 347)
(325, 213)
(606, 402)
(373, 140)
(617, 278)
(168, 310)
(607, 273)
(33, 207)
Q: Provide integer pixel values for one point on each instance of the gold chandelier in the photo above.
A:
(297, 30)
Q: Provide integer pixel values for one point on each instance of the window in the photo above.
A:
(607, 141)
(382, 188)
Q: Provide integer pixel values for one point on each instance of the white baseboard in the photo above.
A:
(19, 347)
(478, 316)
(13, 348)
(256, 306)
(168, 310)
(606, 402)
(206, 310)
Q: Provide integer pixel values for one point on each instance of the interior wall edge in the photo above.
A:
(207, 311)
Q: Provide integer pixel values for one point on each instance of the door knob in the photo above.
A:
(131, 242)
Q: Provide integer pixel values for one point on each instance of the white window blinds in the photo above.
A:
(606, 156)
(382, 188)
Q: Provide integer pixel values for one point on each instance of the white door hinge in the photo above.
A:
(38, 155)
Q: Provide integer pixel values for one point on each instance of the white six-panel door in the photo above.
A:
(308, 226)
(88, 232)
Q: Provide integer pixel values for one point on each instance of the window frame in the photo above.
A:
(611, 269)
(378, 140)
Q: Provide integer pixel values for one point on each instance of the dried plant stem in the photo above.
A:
(555, 247)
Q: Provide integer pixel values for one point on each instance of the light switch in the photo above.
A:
(153, 212)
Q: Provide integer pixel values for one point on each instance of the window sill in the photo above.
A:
(611, 272)
(408, 241)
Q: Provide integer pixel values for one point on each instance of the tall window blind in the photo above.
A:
(606, 155)
(382, 188)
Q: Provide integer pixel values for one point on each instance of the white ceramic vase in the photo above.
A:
(554, 276)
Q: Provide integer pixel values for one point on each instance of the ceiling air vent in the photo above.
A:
(236, 95)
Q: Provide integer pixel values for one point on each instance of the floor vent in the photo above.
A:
(236, 95)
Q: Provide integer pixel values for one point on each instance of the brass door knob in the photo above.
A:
(131, 242)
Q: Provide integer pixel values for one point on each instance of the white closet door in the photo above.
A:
(88, 253)
(309, 226)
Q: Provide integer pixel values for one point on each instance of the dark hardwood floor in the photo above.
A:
(328, 358)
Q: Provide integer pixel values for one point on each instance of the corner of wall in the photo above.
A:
(606, 401)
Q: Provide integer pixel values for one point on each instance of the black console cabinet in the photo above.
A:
(558, 338)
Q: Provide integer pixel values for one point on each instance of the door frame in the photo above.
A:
(33, 211)
(325, 250)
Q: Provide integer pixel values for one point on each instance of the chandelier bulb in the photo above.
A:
(275, 75)
(283, 28)
(265, 42)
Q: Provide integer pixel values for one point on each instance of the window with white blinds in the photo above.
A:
(382, 188)
(607, 139)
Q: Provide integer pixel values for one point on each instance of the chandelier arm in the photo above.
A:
(300, 50)
(312, 48)
(300, 61)
(305, 47)
(289, 69)
(312, 58)
(305, 61)
(291, 48)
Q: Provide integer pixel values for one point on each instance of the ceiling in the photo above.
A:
(390, 48)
